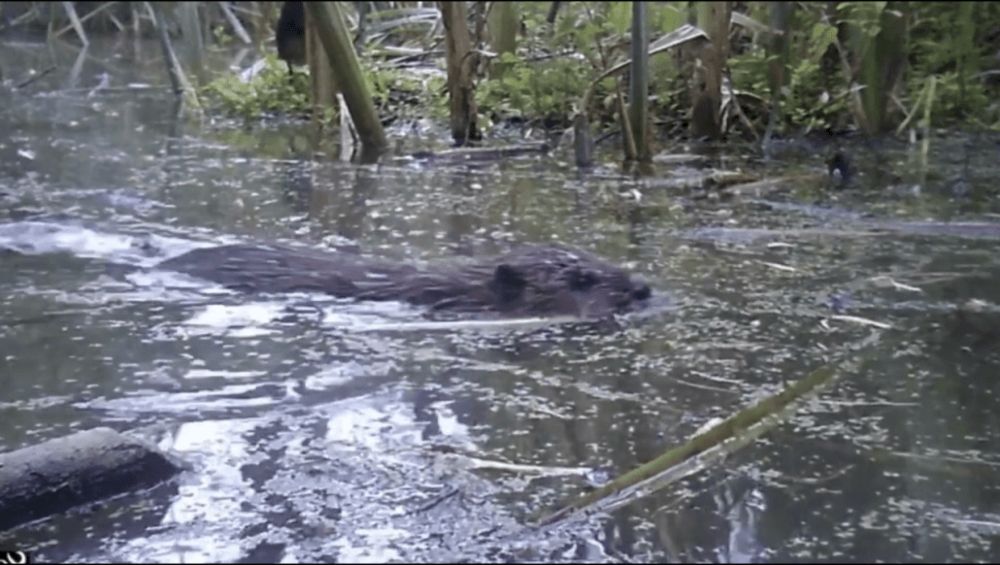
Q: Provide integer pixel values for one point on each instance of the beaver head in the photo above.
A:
(544, 280)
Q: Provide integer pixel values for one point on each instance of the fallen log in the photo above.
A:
(84, 467)
(463, 154)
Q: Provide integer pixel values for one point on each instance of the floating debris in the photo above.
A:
(860, 320)
(779, 266)
(885, 280)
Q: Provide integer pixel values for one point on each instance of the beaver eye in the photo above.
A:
(642, 292)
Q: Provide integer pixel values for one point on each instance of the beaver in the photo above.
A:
(531, 280)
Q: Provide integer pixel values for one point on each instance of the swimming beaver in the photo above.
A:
(539, 280)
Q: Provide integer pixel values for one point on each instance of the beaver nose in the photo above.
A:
(641, 290)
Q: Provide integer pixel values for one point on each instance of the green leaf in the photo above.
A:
(620, 16)
(821, 37)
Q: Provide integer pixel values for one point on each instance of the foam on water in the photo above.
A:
(224, 316)
(38, 238)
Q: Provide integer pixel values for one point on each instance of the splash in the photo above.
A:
(39, 238)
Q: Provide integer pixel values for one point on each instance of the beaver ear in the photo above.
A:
(508, 276)
(508, 281)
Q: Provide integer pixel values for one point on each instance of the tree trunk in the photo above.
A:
(346, 70)
(706, 98)
(458, 52)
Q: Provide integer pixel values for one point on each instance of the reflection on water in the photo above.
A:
(324, 429)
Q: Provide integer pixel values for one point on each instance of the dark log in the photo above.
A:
(84, 467)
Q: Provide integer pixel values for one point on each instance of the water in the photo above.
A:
(323, 429)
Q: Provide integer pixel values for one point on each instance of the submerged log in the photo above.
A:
(462, 154)
(84, 467)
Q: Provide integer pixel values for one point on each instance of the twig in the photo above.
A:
(248, 11)
(860, 320)
(76, 23)
(177, 78)
(712, 444)
(436, 501)
(114, 20)
(235, 23)
(734, 100)
(348, 132)
(631, 151)
(913, 112)
(23, 17)
(30, 80)
(895, 284)
(89, 15)
(779, 266)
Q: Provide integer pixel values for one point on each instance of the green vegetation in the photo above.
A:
(545, 91)
(810, 97)
(822, 66)
(956, 42)
(834, 80)
(272, 91)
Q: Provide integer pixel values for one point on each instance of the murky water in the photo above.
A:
(323, 429)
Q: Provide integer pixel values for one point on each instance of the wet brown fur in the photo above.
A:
(529, 281)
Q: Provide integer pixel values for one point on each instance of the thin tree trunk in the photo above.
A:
(503, 23)
(638, 111)
(458, 52)
(713, 18)
(323, 90)
(347, 74)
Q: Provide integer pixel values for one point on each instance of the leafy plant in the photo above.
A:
(545, 90)
(273, 91)
(554, 64)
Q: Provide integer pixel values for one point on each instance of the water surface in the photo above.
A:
(324, 429)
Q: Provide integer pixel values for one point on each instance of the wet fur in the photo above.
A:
(529, 281)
